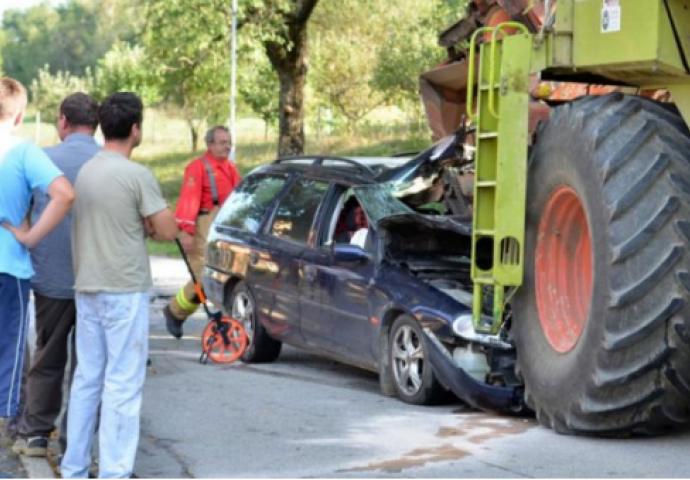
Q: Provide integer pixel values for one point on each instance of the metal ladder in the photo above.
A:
(501, 120)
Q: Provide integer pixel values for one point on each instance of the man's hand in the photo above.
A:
(62, 198)
(187, 241)
(21, 233)
(148, 228)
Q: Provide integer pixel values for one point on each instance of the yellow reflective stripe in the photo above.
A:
(185, 304)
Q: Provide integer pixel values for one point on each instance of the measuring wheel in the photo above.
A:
(223, 341)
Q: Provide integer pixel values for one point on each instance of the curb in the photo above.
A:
(37, 467)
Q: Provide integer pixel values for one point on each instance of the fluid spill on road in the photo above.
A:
(459, 441)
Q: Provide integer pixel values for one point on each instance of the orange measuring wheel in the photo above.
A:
(223, 341)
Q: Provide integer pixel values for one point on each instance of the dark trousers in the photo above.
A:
(55, 321)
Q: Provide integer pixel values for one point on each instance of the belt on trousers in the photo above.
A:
(204, 212)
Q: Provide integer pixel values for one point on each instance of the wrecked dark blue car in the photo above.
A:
(333, 255)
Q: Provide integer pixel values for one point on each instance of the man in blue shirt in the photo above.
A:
(23, 168)
(53, 284)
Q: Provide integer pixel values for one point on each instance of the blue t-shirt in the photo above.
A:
(23, 168)
(52, 258)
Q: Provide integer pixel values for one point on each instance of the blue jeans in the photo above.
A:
(112, 348)
(14, 323)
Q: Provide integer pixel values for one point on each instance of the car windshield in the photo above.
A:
(378, 201)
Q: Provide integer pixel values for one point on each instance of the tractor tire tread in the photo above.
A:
(640, 380)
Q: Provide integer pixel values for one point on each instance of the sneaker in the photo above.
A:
(31, 447)
(173, 324)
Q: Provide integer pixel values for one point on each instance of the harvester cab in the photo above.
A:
(581, 204)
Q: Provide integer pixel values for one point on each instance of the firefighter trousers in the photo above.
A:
(186, 301)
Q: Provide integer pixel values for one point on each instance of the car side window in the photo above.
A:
(350, 223)
(248, 203)
(295, 213)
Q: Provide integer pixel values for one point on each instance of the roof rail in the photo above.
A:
(319, 159)
(409, 153)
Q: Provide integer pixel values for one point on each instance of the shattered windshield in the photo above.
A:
(378, 201)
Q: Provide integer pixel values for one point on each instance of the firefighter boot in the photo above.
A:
(173, 324)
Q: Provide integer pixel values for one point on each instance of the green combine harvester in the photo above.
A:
(578, 113)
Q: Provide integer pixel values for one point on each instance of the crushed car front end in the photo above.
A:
(425, 265)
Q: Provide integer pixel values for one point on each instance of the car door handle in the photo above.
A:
(310, 273)
(254, 258)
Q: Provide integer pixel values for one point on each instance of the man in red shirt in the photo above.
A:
(207, 182)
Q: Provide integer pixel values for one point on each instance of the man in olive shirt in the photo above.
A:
(119, 202)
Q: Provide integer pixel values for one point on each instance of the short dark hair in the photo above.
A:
(80, 109)
(118, 113)
(13, 98)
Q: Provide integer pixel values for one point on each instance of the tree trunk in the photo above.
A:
(289, 59)
(194, 132)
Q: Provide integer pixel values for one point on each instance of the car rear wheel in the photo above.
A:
(413, 377)
(261, 347)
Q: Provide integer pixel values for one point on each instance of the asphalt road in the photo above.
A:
(304, 416)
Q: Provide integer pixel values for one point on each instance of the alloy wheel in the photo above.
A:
(408, 360)
(243, 312)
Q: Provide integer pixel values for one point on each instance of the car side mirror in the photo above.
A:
(347, 253)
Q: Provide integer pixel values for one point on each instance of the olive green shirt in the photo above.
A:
(114, 195)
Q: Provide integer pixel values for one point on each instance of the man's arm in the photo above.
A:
(162, 226)
(189, 203)
(61, 200)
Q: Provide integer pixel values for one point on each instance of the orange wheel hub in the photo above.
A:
(563, 269)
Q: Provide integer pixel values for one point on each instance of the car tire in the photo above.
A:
(261, 348)
(413, 377)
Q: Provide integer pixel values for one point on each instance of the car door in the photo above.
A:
(236, 244)
(316, 281)
(338, 277)
(287, 237)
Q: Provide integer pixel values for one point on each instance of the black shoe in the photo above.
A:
(173, 324)
(31, 447)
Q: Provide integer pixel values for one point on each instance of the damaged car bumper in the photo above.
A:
(477, 394)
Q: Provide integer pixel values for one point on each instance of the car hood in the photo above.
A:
(413, 236)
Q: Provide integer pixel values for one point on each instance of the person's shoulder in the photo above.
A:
(195, 163)
(14, 146)
(30, 151)
(137, 170)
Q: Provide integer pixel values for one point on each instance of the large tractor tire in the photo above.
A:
(602, 321)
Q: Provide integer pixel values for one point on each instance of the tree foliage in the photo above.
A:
(411, 46)
(187, 44)
(295, 56)
(125, 68)
(344, 57)
(69, 38)
(257, 84)
(48, 90)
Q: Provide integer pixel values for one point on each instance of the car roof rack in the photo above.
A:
(318, 160)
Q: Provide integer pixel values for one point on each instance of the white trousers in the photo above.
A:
(112, 348)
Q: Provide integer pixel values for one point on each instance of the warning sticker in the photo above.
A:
(611, 16)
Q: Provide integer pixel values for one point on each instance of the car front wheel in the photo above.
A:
(413, 377)
(261, 347)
